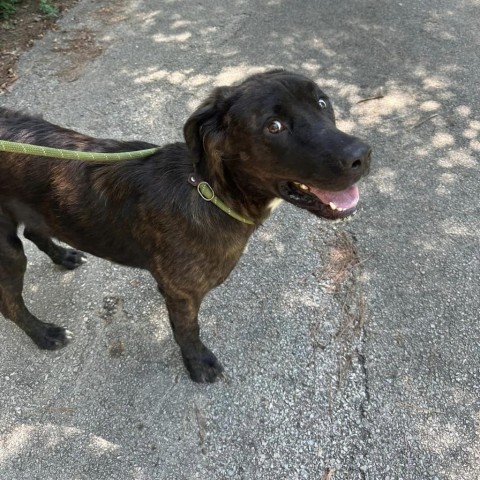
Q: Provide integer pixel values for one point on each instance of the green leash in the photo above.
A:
(203, 188)
(14, 147)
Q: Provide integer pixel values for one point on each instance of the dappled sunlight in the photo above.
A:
(415, 113)
(441, 421)
(428, 244)
(442, 139)
(454, 227)
(430, 106)
(15, 442)
(148, 19)
(440, 438)
(433, 83)
(470, 133)
(230, 75)
(475, 145)
(187, 78)
(175, 78)
(463, 111)
(417, 228)
(394, 103)
(458, 158)
(99, 445)
(346, 125)
(180, 24)
(385, 180)
(446, 439)
(447, 181)
(296, 298)
(21, 439)
(176, 37)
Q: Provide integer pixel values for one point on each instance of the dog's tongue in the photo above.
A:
(345, 199)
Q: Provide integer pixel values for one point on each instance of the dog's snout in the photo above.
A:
(357, 156)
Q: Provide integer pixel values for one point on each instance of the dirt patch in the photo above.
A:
(116, 349)
(342, 260)
(112, 309)
(79, 48)
(343, 273)
(18, 33)
(328, 474)
(111, 15)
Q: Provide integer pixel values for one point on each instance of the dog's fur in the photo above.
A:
(144, 213)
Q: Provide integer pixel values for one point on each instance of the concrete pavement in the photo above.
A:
(362, 338)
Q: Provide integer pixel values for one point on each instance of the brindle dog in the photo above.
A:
(272, 136)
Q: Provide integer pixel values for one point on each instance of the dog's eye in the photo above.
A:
(275, 127)
(322, 103)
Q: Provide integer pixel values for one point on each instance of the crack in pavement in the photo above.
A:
(344, 280)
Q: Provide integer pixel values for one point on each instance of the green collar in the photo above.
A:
(207, 193)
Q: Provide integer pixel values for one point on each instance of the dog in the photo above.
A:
(272, 136)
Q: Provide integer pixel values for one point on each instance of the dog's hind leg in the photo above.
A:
(13, 264)
(200, 362)
(66, 257)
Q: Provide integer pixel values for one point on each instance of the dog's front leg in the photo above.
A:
(201, 363)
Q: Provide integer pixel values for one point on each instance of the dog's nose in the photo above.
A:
(357, 156)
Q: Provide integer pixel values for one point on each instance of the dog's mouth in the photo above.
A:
(326, 204)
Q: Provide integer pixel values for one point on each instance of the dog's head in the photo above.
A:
(276, 133)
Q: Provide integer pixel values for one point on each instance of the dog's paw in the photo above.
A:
(52, 337)
(72, 259)
(203, 367)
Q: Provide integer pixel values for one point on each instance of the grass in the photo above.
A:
(7, 8)
(45, 7)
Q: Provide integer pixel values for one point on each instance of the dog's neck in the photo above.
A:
(207, 193)
(238, 190)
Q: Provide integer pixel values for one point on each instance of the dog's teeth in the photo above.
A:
(334, 207)
(302, 186)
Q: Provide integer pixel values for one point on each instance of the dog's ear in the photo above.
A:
(204, 131)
